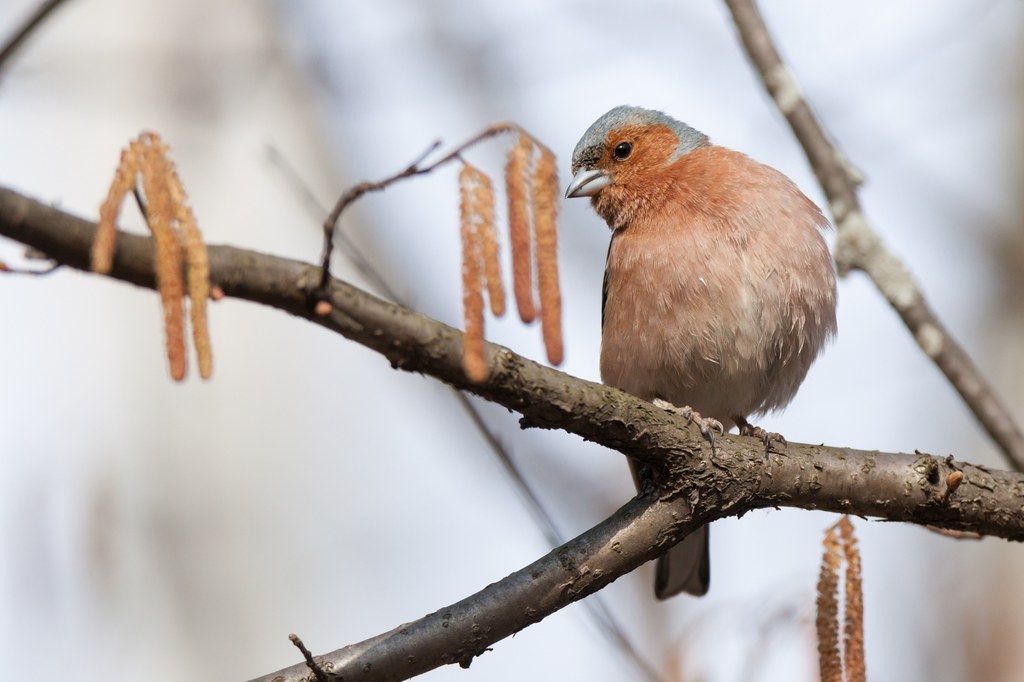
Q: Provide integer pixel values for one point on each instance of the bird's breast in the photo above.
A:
(725, 322)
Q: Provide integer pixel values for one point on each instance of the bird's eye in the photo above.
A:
(622, 150)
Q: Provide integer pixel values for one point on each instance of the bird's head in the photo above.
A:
(618, 160)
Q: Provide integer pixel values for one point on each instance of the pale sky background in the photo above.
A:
(183, 531)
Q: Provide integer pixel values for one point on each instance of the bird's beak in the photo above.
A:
(587, 182)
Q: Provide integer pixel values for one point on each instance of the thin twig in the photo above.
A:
(318, 672)
(596, 606)
(859, 247)
(26, 30)
(140, 202)
(413, 169)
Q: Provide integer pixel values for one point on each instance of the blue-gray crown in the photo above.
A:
(588, 150)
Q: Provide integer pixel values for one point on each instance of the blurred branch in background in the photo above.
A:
(859, 246)
(734, 479)
(18, 38)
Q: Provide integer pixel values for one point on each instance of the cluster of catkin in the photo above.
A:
(846, 664)
(531, 186)
(177, 240)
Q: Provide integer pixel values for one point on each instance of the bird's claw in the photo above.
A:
(707, 425)
(766, 437)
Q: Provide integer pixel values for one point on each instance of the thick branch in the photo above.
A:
(638, 532)
(859, 246)
(837, 479)
(737, 478)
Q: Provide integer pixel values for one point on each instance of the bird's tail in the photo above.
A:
(685, 567)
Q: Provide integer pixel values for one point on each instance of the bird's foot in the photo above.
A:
(707, 425)
(766, 437)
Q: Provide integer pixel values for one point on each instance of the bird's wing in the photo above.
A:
(604, 283)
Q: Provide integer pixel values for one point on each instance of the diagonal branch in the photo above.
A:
(696, 486)
(859, 247)
(464, 630)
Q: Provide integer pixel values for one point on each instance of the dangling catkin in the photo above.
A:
(173, 225)
(105, 241)
(516, 168)
(545, 209)
(160, 215)
(853, 622)
(483, 205)
(827, 619)
(197, 270)
(474, 359)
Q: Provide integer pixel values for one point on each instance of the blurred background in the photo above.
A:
(183, 531)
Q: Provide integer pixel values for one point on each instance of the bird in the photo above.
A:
(719, 288)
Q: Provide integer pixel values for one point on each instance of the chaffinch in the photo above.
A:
(719, 290)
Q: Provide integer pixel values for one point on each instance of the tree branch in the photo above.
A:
(466, 629)
(696, 485)
(859, 247)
